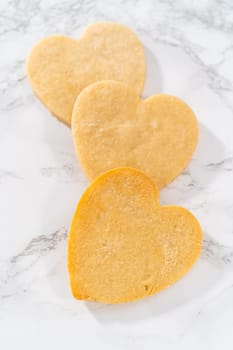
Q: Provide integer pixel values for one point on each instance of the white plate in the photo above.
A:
(44, 182)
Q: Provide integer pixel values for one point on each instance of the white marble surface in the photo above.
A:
(189, 48)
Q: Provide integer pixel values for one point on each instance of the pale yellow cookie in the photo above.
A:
(59, 67)
(113, 127)
(123, 245)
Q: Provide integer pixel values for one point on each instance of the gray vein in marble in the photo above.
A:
(67, 172)
(186, 182)
(6, 175)
(216, 253)
(25, 260)
(217, 82)
(225, 164)
(67, 169)
(170, 34)
(190, 181)
(41, 244)
(13, 79)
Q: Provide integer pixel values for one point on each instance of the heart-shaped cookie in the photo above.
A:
(123, 245)
(113, 127)
(59, 67)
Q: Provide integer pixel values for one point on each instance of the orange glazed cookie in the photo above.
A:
(113, 127)
(123, 245)
(59, 67)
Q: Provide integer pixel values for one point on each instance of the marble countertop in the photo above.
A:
(189, 49)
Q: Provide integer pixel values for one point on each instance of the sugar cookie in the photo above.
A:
(113, 127)
(59, 67)
(123, 245)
